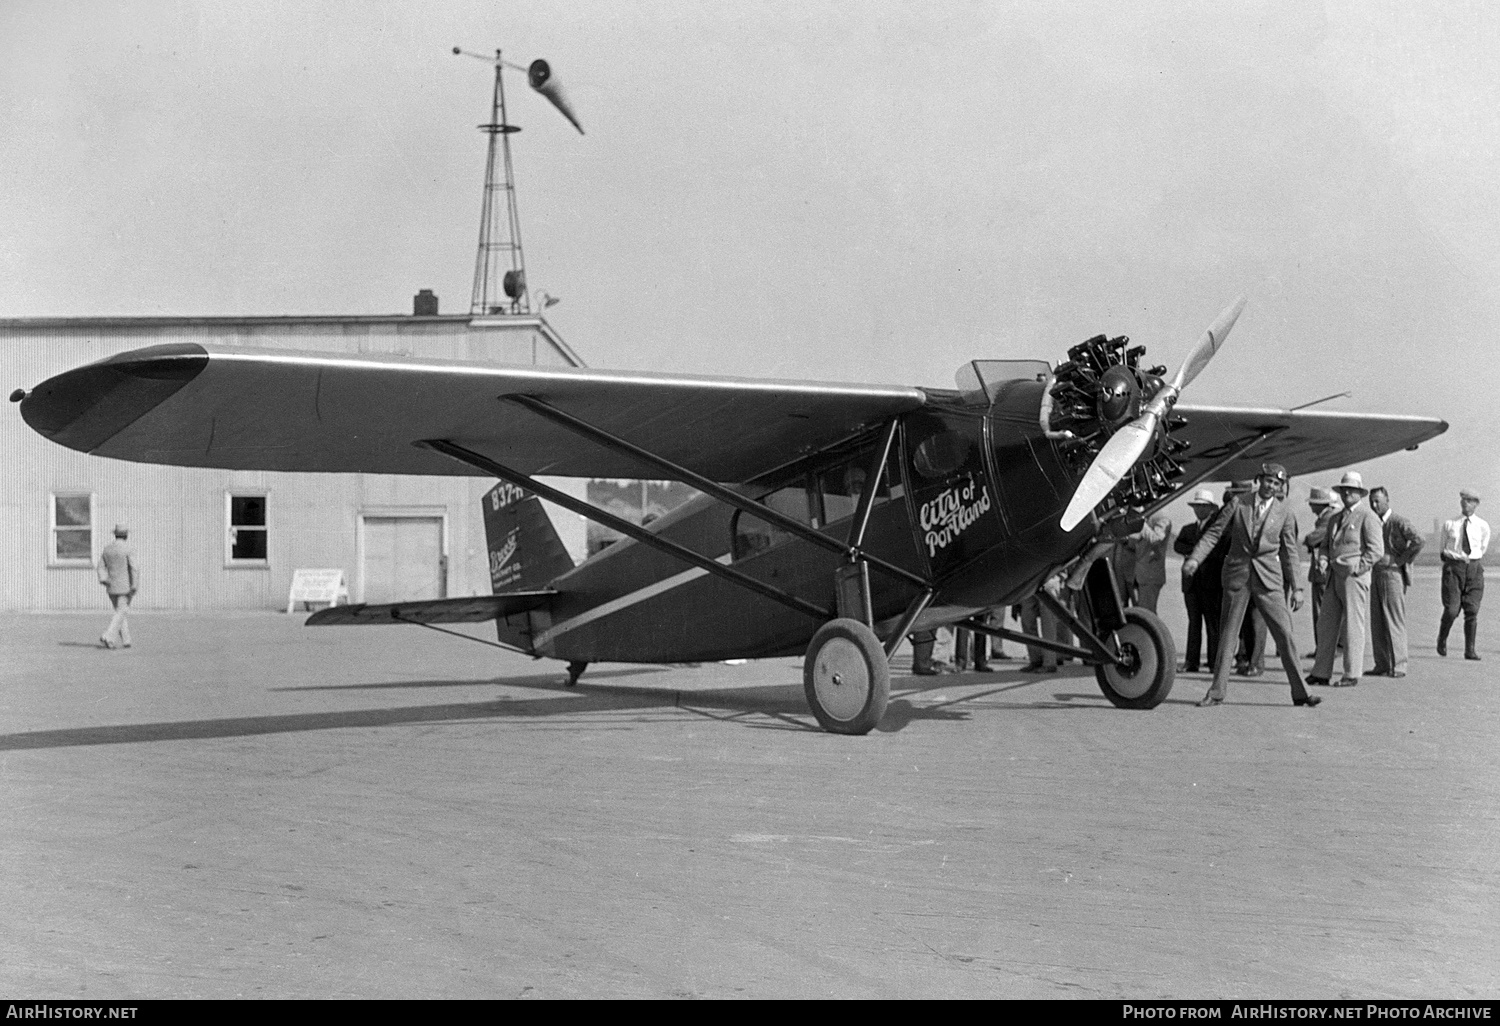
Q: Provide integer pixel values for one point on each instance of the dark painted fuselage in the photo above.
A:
(970, 501)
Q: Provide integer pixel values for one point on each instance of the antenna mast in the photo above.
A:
(498, 289)
(500, 265)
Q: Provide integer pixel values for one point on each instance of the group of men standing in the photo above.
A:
(1241, 559)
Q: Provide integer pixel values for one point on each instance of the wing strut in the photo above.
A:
(851, 550)
(625, 527)
(1234, 453)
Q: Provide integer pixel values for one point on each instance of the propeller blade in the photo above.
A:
(1130, 442)
(1114, 461)
(1208, 345)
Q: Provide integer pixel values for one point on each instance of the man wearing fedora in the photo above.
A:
(1202, 602)
(1388, 583)
(1465, 540)
(1355, 542)
(120, 573)
(1262, 555)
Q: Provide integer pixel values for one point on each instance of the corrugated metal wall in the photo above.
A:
(178, 517)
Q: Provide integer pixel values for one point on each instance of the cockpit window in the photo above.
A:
(941, 454)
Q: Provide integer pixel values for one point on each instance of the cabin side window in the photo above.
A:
(824, 497)
(752, 535)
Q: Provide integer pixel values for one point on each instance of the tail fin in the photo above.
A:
(525, 551)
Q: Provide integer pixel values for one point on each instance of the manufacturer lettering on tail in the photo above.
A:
(525, 552)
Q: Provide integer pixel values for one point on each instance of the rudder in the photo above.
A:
(525, 552)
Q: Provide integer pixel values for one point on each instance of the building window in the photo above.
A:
(247, 529)
(72, 533)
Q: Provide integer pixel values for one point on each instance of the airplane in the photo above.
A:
(834, 520)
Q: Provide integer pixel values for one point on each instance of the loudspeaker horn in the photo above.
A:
(539, 74)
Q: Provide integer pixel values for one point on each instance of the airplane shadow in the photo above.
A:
(542, 680)
(769, 707)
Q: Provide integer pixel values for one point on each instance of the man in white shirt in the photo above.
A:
(1465, 540)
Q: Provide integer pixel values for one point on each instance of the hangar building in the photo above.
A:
(211, 539)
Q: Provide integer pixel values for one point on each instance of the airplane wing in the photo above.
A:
(477, 609)
(192, 405)
(1303, 441)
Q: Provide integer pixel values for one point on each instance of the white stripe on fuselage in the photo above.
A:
(604, 609)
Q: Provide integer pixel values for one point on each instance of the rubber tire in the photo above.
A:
(846, 677)
(1149, 683)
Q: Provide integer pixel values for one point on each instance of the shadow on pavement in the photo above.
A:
(785, 706)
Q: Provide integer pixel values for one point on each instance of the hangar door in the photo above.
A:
(404, 559)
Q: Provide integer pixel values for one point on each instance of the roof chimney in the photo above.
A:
(424, 304)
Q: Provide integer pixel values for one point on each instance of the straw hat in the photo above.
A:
(1352, 482)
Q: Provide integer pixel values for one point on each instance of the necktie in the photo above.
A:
(1464, 545)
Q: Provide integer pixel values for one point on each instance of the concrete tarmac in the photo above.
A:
(240, 806)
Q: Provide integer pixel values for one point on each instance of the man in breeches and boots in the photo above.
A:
(1465, 540)
(120, 573)
(1262, 555)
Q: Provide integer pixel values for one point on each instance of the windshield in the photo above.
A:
(980, 380)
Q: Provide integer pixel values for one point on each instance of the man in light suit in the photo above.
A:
(1388, 583)
(120, 573)
(1262, 555)
(1354, 544)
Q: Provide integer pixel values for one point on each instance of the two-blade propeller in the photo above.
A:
(1130, 442)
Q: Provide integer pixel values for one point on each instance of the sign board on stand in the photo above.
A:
(325, 586)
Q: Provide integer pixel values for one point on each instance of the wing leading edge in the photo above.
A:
(189, 405)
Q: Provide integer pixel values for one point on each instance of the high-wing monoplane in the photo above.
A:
(834, 519)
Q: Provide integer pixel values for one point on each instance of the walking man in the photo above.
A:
(1354, 544)
(1465, 539)
(1388, 583)
(1262, 555)
(120, 573)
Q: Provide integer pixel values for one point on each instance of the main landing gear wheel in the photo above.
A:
(1150, 663)
(846, 677)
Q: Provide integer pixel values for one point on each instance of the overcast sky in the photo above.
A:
(863, 192)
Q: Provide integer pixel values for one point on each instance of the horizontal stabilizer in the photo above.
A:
(476, 609)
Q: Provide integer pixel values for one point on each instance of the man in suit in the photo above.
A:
(120, 573)
(1320, 501)
(1262, 555)
(1388, 583)
(1354, 544)
(1194, 596)
(1149, 547)
(1465, 540)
